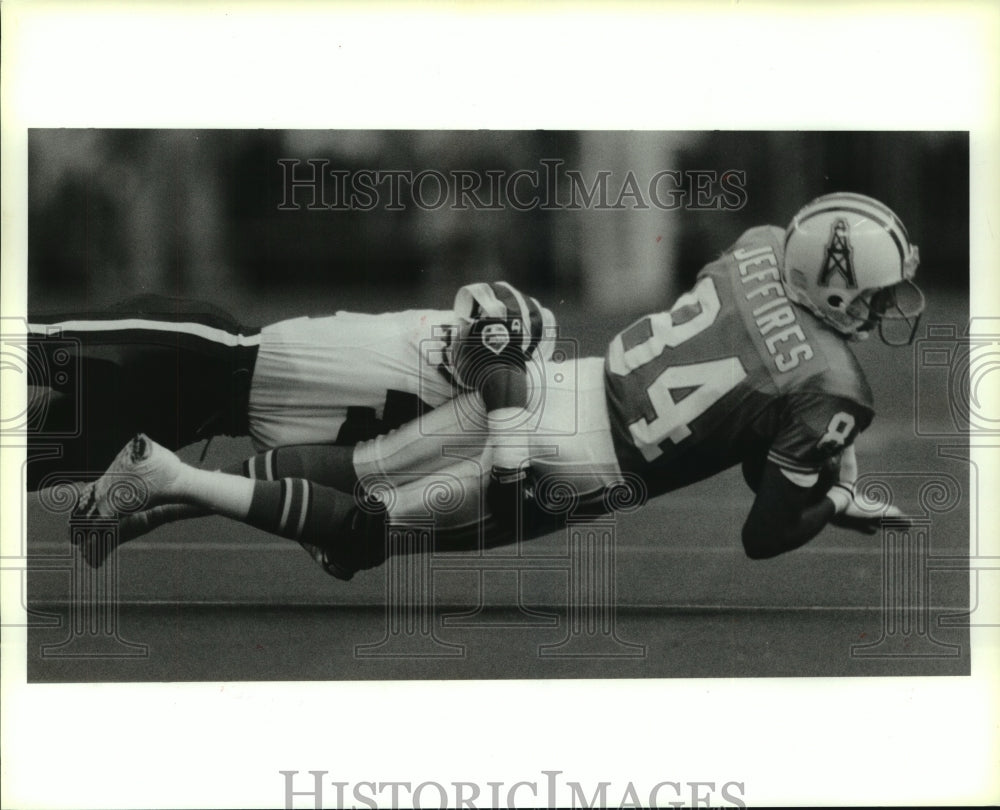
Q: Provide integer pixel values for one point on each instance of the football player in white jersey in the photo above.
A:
(752, 366)
(493, 357)
(182, 371)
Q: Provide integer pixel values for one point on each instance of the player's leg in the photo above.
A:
(326, 522)
(325, 468)
(457, 429)
(368, 477)
(409, 456)
(179, 370)
(452, 497)
(325, 464)
(319, 517)
(573, 458)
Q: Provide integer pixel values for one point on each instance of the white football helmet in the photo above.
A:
(496, 320)
(849, 259)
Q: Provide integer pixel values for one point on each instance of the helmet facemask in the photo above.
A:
(895, 310)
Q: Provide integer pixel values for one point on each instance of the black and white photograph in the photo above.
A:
(327, 426)
(496, 404)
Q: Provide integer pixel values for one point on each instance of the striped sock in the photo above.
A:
(299, 510)
(281, 507)
(260, 467)
(327, 465)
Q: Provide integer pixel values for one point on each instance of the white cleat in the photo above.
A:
(142, 475)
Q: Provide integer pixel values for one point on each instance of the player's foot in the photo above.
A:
(360, 526)
(96, 545)
(326, 561)
(136, 524)
(142, 475)
(85, 502)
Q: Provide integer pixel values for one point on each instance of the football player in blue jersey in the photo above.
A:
(753, 366)
(182, 371)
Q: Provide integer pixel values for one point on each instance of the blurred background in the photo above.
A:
(206, 214)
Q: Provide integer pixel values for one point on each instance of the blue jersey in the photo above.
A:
(733, 370)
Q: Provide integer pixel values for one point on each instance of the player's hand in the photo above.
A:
(866, 517)
(863, 516)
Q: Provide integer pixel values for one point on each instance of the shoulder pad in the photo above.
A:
(842, 375)
(762, 234)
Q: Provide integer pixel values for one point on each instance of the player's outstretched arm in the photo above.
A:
(784, 516)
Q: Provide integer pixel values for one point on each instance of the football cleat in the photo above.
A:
(141, 474)
(325, 560)
(96, 546)
(135, 524)
(86, 503)
(360, 543)
(849, 260)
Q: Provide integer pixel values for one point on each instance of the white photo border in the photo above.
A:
(845, 741)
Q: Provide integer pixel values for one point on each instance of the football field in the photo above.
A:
(212, 600)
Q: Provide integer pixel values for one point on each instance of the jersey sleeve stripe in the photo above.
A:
(791, 464)
(804, 480)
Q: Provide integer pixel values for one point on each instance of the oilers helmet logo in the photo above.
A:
(838, 257)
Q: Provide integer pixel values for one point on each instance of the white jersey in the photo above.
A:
(311, 373)
(440, 466)
(351, 376)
